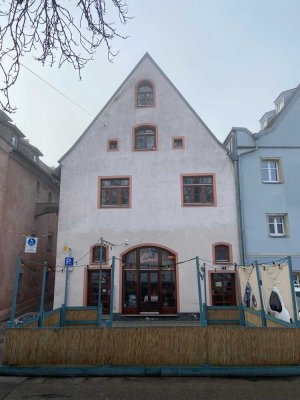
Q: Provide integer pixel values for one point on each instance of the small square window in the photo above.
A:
(277, 224)
(113, 145)
(271, 171)
(178, 143)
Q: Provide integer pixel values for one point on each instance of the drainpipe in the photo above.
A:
(239, 199)
(242, 245)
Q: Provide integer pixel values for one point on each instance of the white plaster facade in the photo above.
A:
(156, 214)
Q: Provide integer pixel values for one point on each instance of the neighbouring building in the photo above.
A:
(148, 176)
(29, 194)
(266, 165)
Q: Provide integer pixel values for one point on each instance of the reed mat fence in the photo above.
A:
(223, 314)
(81, 315)
(273, 324)
(253, 319)
(164, 346)
(52, 319)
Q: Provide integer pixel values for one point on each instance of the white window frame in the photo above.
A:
(279, 106)
(279, 220)
(278, 170)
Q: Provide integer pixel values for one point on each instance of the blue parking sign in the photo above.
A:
(31, 244)
(69, 261)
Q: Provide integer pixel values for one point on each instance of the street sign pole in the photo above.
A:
(66, 286)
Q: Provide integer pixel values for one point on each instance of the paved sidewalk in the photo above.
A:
(19, 388)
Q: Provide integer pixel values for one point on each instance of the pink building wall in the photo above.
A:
(18, 198)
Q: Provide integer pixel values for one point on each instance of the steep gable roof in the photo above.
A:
(146, 56)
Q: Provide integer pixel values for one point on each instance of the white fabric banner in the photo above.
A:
(249, 287)
(276, 290)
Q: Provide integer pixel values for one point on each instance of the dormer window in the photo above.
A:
(145, 138)
(14, 142)
(145, 94)
(279, 106)
(35, 158)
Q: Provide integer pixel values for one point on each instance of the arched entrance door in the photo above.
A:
(149, 281)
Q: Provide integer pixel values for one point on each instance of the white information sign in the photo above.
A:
(31, 244)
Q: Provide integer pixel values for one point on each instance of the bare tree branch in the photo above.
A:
(56, 31)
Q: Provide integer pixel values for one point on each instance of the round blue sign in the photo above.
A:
(31, 242)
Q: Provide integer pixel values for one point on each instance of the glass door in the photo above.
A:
(223, 289)
(149, 281)
(149, 292)
(93, 285)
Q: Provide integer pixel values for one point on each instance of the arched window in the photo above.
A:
(95, 254)
(145, 138)
(222, 253)
(149, 281)
(145, 94)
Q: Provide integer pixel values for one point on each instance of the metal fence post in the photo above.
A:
(199, 292)
(111, 306)
(293, 291)
(99, 312)
(11, 323)
(239, 297)
(41, 316)
(204, 274)
(262, 308)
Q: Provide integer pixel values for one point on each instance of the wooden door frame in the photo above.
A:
(87, 281)
(149, 272)
(121, 271)
(210, 285)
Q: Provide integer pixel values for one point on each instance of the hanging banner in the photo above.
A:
(276, 289)
(249, 287)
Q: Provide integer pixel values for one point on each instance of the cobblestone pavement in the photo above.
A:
(19, 388)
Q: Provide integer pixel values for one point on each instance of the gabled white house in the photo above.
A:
(148, 171)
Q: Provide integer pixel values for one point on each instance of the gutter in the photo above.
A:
(239, 199)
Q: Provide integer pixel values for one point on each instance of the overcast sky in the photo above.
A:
(230, 59)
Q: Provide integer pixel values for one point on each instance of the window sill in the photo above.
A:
(154, 149)
(223, 263)
(104, 265)
(145, 106)
(278, 236)
(110, 207)
(272, 182)
(198, 205)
